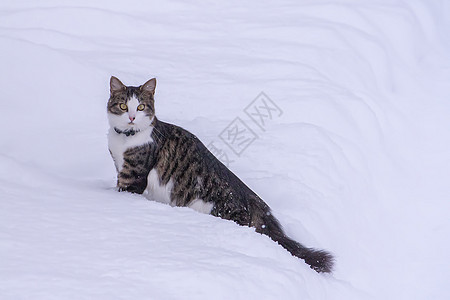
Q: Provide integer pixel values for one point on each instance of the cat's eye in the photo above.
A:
(123, 106)
(141, 107)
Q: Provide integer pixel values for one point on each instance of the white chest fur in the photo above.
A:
(119, 143)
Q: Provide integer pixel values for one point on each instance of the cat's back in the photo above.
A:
(178, 142)
(183, 156)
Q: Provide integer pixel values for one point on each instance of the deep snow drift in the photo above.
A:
(356, 161)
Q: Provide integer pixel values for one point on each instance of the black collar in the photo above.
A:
(127, 132)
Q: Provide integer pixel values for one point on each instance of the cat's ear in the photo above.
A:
(116, 85)
(149, 86)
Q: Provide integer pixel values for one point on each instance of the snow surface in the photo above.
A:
(357, 164)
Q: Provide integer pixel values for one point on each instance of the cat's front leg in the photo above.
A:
(131, 181)
(133, 174)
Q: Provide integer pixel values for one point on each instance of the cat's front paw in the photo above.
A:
(135, 186)
(122, 187)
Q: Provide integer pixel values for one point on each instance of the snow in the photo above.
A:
(357, 164)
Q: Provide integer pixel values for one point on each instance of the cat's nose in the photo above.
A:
(132, 118)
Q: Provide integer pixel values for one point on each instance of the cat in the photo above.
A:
(171, 165)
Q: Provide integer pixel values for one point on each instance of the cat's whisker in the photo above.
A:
(157, 130)
(157, 138)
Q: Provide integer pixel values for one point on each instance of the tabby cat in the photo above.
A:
(171, 165)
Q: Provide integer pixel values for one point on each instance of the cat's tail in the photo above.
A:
(319, 260)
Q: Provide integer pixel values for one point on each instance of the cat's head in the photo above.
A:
(130, 107)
